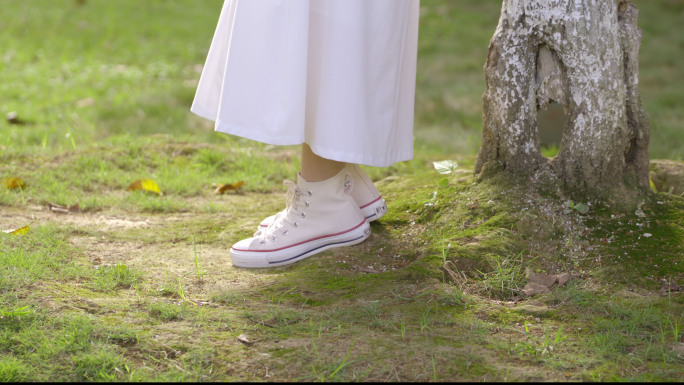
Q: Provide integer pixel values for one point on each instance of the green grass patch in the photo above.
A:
(166, 312)
(42, 254)
(109, 278)
(434, 294)
(13, 370)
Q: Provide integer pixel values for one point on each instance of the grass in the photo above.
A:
(122, 291)
(110, 278)
(539, 347)
(506, 279)
(43, 254)
(166, 312)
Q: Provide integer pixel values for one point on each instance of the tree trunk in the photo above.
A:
(582, 54)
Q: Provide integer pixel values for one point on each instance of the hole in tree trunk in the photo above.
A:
(551, 123)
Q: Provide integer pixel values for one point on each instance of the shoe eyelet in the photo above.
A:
(309, 192)
(303, 214)
(296, 224)
(261, 242)
(285, 232)
(273, 238)
(306, 203)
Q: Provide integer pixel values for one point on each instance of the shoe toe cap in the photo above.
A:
(246, 244)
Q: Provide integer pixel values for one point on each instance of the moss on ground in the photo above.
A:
(434, 294)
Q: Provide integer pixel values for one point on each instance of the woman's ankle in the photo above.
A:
(316, 168)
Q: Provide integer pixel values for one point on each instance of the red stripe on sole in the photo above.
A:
(307, 241)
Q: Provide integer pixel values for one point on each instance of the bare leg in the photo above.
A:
(317, 169)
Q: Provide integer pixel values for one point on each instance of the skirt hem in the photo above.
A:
(339, 156)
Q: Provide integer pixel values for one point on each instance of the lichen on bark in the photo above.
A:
(582, 54)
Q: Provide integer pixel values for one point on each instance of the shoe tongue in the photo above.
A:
(301, 180)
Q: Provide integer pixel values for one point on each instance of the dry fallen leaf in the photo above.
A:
(243, 338)
(670, 288)
(222, 188)
(13, 118)
(147, 185)
(63, 209)
(539, 283)
(13, 182)
(533, 288)
(85, 102)
(19, 231)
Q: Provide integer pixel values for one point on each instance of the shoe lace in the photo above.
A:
(293, 214)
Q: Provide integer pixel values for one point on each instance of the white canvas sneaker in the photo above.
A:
(319, 216)
(364, 193)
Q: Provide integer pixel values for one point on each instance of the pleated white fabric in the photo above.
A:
(338, 75)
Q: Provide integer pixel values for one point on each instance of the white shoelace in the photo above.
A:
(293, 214)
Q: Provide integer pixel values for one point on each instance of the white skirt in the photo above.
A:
(338, 75)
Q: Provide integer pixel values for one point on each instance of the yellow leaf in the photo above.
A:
(12, 183)
(19, 231)
(222, 188)
(145, 185)
(653, 186)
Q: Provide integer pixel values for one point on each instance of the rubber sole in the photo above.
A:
(291, 254)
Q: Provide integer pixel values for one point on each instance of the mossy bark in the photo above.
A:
(584, 56)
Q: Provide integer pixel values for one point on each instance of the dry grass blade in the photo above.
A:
(457, 277)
